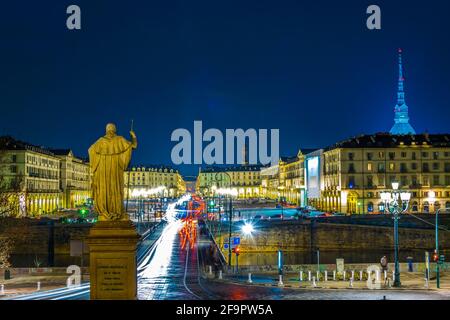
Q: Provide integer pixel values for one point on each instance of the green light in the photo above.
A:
(83, 212)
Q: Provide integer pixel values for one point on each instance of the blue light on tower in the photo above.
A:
(401, 118)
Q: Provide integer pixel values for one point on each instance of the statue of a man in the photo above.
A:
(109, 157)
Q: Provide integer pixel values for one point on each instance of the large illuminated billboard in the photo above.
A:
(312, 177)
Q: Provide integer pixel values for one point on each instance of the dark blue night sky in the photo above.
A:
(310, 68)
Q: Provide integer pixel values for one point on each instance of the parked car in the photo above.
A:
(259, 217)
(326, 214)
(313, 214)
(276, 217)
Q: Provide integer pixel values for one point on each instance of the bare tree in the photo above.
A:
(11, 196)
(5, 251)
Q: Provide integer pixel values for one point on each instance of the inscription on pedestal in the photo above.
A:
(112, 278)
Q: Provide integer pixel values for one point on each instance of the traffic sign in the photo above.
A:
(235, 241)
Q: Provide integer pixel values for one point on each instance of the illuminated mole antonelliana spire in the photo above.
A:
(401, 118)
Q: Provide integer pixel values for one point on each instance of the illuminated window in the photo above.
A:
(392, 166)
(369, 166)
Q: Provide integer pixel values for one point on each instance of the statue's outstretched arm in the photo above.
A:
(133, 139)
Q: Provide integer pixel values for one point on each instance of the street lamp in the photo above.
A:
(247, 229)
(396, 202)
(228, 192)
(438, 284)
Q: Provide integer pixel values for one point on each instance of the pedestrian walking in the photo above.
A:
(384, 269)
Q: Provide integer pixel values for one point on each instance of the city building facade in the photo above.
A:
(286, 181)
(159, 181)
(244, 179)
(75, 179)
(38, 172)
(270, 182)
(355, 171)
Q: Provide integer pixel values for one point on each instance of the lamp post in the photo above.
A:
(396, 202)
(228, 192)
(438, 283)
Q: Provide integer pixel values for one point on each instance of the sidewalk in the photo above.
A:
(409, 281)
(23, 284)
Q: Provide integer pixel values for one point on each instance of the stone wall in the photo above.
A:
(309, 235)
(34, 236)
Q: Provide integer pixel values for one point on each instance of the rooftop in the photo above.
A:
(232, 168)
(10, 143)
(154, 167)
(386, 140)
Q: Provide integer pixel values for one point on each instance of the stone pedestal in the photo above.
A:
(112, 247)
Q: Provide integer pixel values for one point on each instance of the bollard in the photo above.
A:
(318, 276)
(378, 276)
(38, 285)
(314, 282)
(426, 283)
(393, 275)
(334, 275)
(280, 280)
(220, 274)
(210, 269)
(385, 275)
(309, 276)
(2, 290)
(301, 276)
(345, 272)
(326, 275)
(351, 283)
(353, 274)
(250, 278)
(360, 275)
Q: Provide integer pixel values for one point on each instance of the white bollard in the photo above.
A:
(345, 272)
(314, 282)
(353, 274)
(220, 274)
(360, 275)
(326, 275)
(280, 280)
(301, 276)
(309, 276)
(250, 278)
(378, 276)
(38, 286)
(385, 275)
(210, 269)
(393, 275)
(2, 290)
(351, 282)
(334, 275)
(318, 276)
